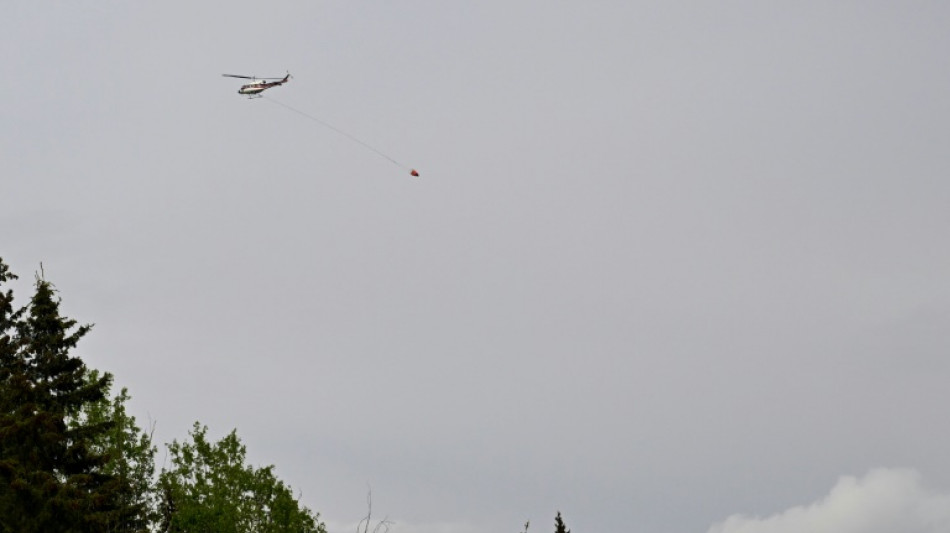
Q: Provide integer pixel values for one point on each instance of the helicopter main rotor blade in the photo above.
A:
(249, 77)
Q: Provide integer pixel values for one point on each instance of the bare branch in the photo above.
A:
(363, 526)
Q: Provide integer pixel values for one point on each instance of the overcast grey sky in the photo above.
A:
(670, 266)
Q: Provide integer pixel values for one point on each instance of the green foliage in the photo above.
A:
(559, 526)
(52, 477)
(73, 460)
(210, 489)
(131, 455)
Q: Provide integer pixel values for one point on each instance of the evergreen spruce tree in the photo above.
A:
(9, 364)
(51, 479)
(559, 526)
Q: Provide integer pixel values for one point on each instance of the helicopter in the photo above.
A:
(259, 85)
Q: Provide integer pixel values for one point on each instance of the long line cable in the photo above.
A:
(341, 132)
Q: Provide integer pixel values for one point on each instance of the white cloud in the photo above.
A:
(883, 501)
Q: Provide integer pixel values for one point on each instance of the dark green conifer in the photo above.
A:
(51, 479)
(559, 526)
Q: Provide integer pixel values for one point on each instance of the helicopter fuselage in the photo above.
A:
(254, 88)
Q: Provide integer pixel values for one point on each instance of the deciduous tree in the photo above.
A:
(130, 452)
(210, 489)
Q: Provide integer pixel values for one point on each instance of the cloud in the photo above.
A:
(883, 501)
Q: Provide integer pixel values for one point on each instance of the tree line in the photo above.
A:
(73, 460)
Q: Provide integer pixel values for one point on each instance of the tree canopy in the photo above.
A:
(73, 460)
(559, 526)
(131, 455)
(210, 488)
(52, 476)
